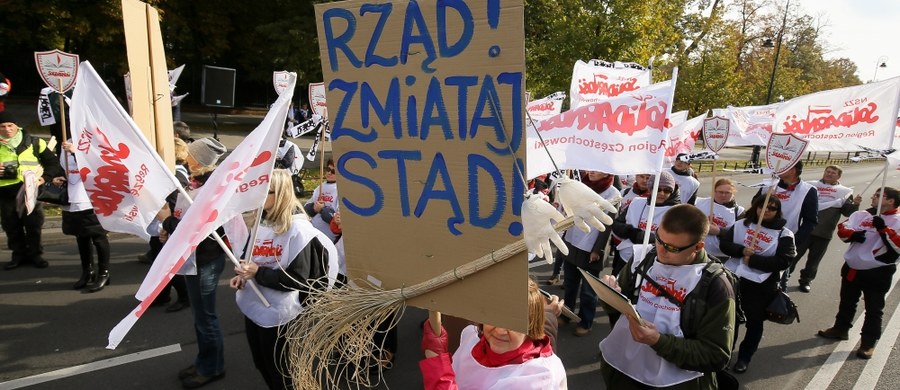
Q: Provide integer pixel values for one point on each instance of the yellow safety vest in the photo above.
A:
(27, 159)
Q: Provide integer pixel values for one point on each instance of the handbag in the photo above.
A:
(50, 193)
(782, 310)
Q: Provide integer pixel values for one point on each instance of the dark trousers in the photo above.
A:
(267, 350)
(873, 285)
(575, 286)
(755, 297)
(816, 247)
(23, 234)
(86, 245)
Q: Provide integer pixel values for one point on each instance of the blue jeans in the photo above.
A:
(202, 293)
(574, 284)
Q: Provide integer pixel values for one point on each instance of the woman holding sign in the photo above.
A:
(289, 259)
(725, 212)
(758, 255)
(490, 357)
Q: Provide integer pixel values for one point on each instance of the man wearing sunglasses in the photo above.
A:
(664, 352)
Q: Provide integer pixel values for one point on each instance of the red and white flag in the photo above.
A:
(750, 125)
(625, 135)
(546, 107)
(125, 179)
(683, 136)
(239, 184)
(598, 80)
(844, 119)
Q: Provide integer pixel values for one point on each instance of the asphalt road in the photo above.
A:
(54, 337)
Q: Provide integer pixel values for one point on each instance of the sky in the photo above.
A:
(862, 30)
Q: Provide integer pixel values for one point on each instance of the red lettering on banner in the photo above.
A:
(668, 285)
(546, 106)
(111, 183)
(262, 179)
(59, 73)
(822, 119)
(623, 118)
(601, 86)
(719, 221)
(643, 225)
(760, 236)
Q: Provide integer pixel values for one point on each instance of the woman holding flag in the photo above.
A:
(201, 272)
(289, 260)
(759, 254)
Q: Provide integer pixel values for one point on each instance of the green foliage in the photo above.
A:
(717, 44)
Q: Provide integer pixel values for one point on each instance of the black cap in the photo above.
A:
(6, 116)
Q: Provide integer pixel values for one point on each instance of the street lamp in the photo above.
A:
(754, 158)
(880, 63)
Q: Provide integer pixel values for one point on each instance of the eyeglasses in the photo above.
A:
(329, 170)
(672, 248)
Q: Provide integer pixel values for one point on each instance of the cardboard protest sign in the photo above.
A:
(783, 151)
(715, 132)
(151, 101)
(597, 80)
(843, 119)
(427, 113)
(625, 135)
(58, 69)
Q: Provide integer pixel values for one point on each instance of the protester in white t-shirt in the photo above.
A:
(725, 212)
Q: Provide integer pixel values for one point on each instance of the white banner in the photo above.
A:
(682, 137)
(750, 125)
(599, 80)
(843, 120)
(545, 108)
(623, 135)
(124, 178)
(45, 113)
(239, 184)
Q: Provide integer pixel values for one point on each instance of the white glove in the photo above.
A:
(538, 230)
(584, 204)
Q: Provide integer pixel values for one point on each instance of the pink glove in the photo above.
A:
(436, 344)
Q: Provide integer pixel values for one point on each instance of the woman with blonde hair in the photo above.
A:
(289, 260)
(491, 357)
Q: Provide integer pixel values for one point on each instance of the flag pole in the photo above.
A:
(62, 122)
(662, 155)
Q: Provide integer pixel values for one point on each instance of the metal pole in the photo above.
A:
(754, 158)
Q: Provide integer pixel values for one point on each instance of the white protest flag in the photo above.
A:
(598, 80)
(546, 107)
(750, 125)
(683, 136)
(239, 184)
(125, 179)
(845, 119)
(624, 135)
(677, 118)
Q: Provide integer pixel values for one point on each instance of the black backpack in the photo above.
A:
(693, 307)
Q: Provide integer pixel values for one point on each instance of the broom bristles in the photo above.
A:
(331, 341)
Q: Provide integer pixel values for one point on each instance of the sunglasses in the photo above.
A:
(771, 208)
(329, 170)
(672, 248)
(665, 189)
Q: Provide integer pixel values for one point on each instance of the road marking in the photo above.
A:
(89, 367)
(869, 377)
(837, 358)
